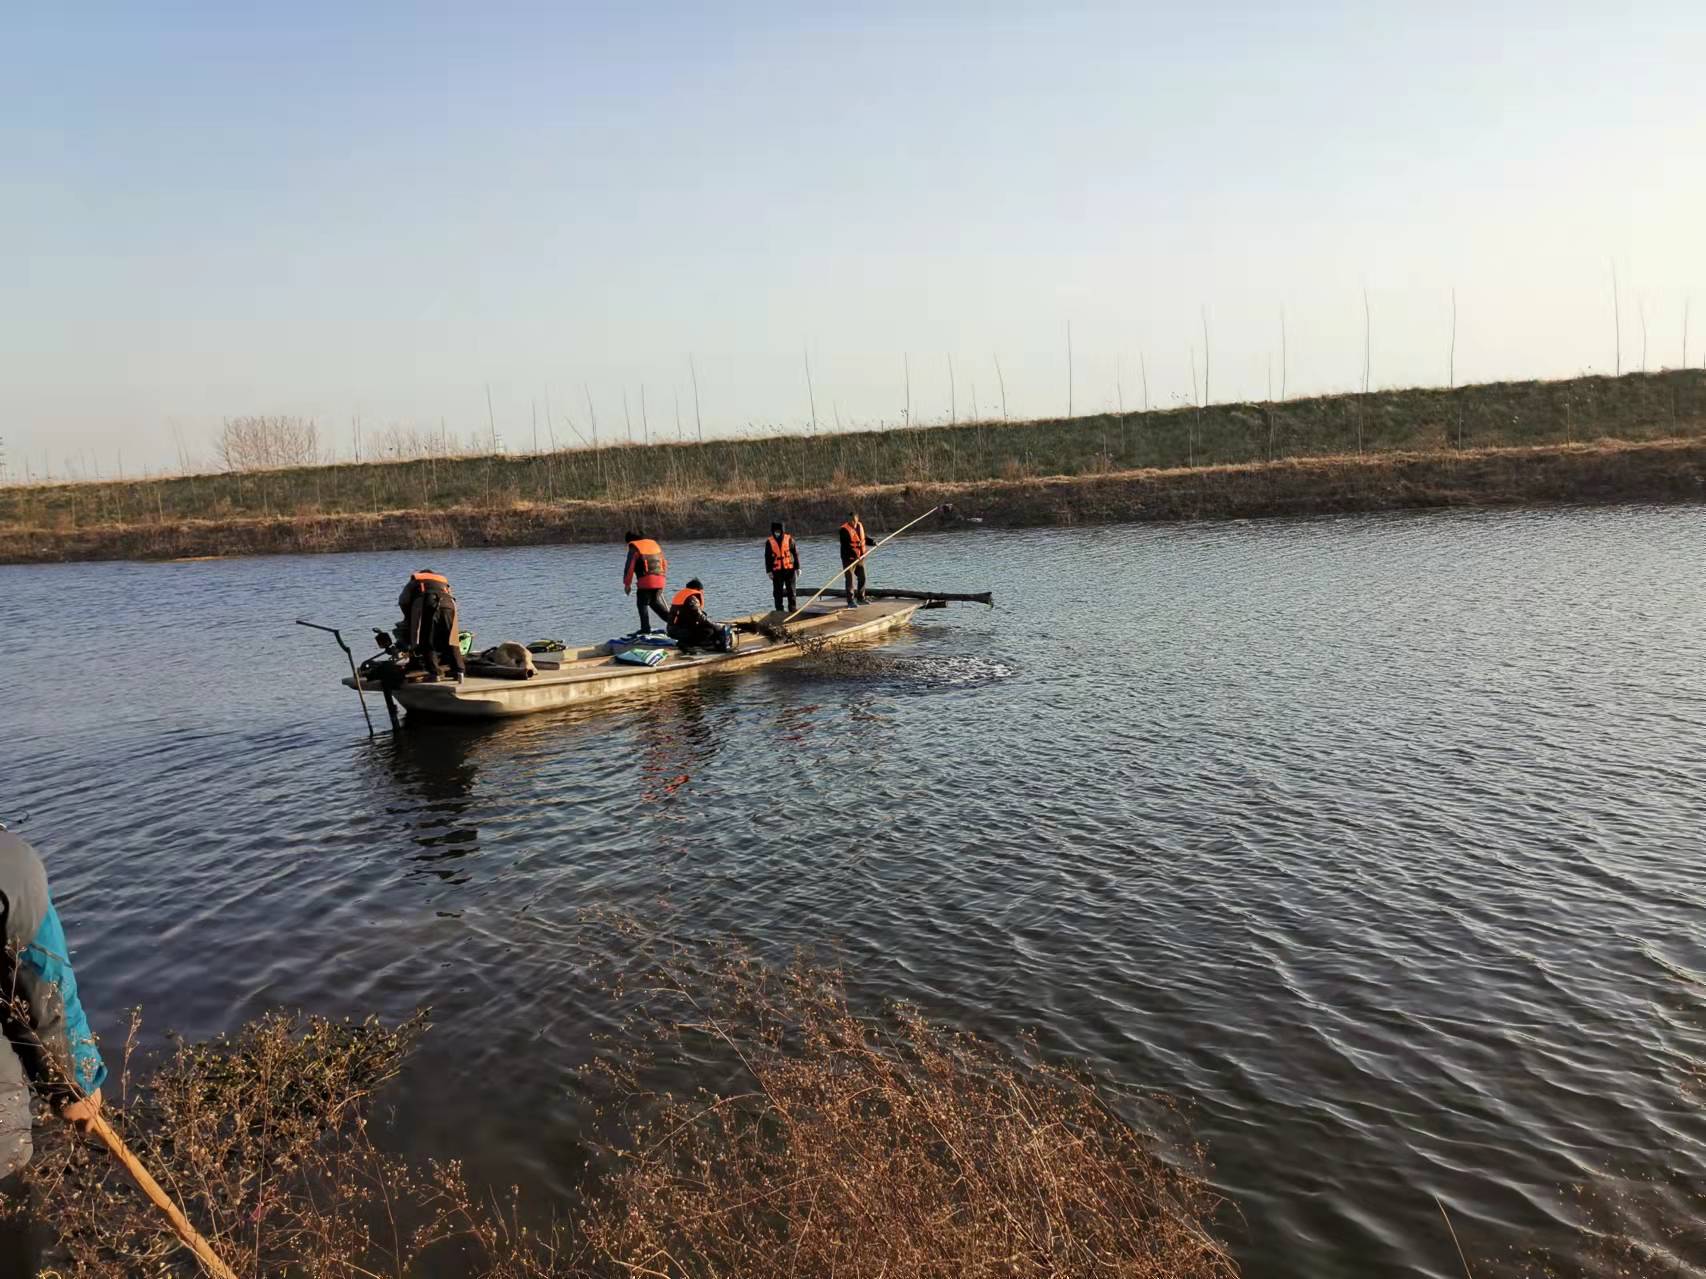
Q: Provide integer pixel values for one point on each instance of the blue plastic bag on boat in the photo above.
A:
(651, 639)
(641, 656)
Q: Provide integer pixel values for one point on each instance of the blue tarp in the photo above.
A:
(651, 639)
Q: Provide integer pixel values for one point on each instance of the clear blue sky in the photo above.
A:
(325, 210)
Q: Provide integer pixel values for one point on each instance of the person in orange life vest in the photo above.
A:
(689, 625)
(854, 544)
(645, 568)
(782, 562)
(431, 622)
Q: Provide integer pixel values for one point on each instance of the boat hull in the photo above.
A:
(594, 676)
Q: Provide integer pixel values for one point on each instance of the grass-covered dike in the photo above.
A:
(1511, 442)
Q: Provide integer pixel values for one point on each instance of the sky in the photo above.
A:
(387, 213)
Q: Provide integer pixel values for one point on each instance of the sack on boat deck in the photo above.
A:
(641, 656)
(508, 660)
(547, 646)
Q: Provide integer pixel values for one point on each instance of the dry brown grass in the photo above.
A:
(857, 1146)
(1635, 407)
(264, 1139)
(1606, 471)
(831, 1144)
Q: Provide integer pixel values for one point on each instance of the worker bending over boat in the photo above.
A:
(854, 544)
(691, 626)
(782, 562)
(431, 624)
(645, 568)
(48, 1042)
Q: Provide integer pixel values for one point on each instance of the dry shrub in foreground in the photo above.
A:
(852, 1147)
(263, 1138)
(839, 1146)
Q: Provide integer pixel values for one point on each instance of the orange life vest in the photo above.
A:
(688, 593)
(855, 530)
(781, 553)
(649, 558)
(427, 580)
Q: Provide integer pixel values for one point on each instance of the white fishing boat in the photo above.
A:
(580, 676)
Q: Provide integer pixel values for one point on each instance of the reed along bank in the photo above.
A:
(1637, 438)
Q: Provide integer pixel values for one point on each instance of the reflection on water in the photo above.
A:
(428, 783)
(676, 740)
(1375, 841)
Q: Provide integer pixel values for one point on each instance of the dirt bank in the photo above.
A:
(1605, 472)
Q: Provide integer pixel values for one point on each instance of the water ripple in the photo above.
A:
(1374, 840)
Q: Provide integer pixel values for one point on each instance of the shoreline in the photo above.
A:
(1604, 472)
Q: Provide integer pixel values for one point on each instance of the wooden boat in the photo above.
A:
(581, 676)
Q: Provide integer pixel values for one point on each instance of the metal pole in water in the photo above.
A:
(338, 635)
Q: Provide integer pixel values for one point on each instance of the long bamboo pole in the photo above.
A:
(869, 551)
(58, 1091)
(188, 1234)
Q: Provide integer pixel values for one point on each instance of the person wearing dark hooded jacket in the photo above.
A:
(49, 1046)
(854, 544)
(782, 562)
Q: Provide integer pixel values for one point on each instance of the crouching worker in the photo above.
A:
(430, 624)
(691, 627)
(48, 1042)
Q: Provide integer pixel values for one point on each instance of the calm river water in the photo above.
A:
(1377, 842)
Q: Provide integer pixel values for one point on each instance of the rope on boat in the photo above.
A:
(813, 644)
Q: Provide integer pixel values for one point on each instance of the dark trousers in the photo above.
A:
(856, 571)
(650, 597)
(782, 587)
(696, 632)
(433, 623)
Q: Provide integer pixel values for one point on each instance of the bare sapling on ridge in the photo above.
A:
(267, 443)
(698, 420)
(811, 392)
(1069, 368)
(1616, 324)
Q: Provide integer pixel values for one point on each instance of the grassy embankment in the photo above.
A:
(1634, 438)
